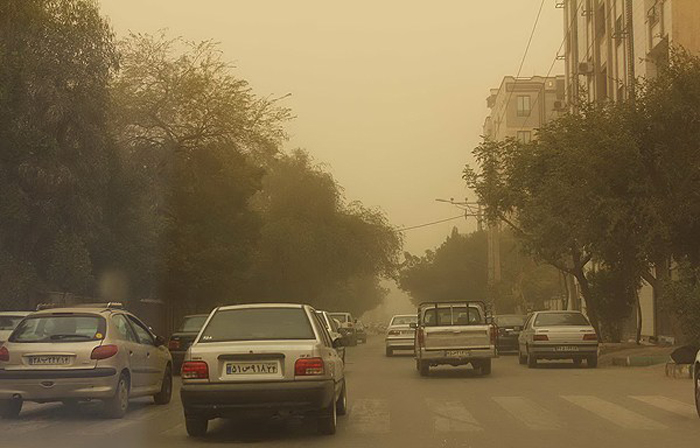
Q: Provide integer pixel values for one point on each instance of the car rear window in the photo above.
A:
(510, 321)
(342, 317)
(459, 315)
(9, 322)
(560, 319)
(60, 328)
(193, 323)
(403, 320)
(255, 324)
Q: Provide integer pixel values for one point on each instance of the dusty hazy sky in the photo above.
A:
(389, 94)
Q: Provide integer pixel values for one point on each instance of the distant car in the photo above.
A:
(97, 352)
(332, 326)
(263, 358)
(558, 335)
(181, 340)
(360, 332)
(8, 321)
(399, 334)
(509, 328)
(347, 327)
(696, 378)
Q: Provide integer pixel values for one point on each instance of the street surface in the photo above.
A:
(391, 406)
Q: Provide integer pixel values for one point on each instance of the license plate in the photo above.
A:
(457, 353)
(565, 348)
(252, 368)
(49, 360)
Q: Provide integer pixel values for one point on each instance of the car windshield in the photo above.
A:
(510, 321)
(560, 320)
(341, 317)
(403, 320)
(9, 322)
(52, 328)
(193, 324)
(452, 316)
(251, 324)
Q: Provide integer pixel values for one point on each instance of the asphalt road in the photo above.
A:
(391, 406)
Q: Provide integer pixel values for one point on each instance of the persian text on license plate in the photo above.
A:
(457, 353)
(252, 368)
(565, 348)
(49, 360)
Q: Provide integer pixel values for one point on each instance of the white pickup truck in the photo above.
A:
(454, 333)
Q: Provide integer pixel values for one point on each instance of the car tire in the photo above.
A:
(10, 409)
(697, 388)
(389, 352)
(352, 341)
(483, 366)
(196, 426)
(577, 362)
(531, 361)
(117, 406)
(522, 359)
(424, 368)
(592, 362)
(328, 420)
(341, 405)
(166, 389)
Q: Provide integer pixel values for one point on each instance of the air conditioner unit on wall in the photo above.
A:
(559, 105)
(585, 67)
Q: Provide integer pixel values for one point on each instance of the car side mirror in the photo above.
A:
(160, 340)
(337, 342)
(413, 325)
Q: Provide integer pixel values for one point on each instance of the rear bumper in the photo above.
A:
(56, 385)
(435, 357)
(554, 351)
(220, 400)
(400, 343)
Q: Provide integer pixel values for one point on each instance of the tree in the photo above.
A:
(56, 60)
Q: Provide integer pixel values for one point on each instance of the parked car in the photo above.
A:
(360, 332)
(263, 359)
(696, 379)
(454, 333)
(347, 327)
(558, 335)
(83, 353)
(181, 340)
(509, 328)
(399, 334)
(332, 326)
(8, 321)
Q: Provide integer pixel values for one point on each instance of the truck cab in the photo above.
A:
(454, 333)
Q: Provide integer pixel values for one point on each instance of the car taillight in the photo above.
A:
(493, 334)
(394, 332)
(540, 337)
(104, 352)
(421, 336)
(590, 337)
(308, 366)
(194, 370)
(4, 354)
(174, 344)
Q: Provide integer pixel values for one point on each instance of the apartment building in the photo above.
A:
(519, 106)
(609, 43)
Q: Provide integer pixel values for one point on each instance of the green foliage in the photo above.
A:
(682, 298)
(616, 297)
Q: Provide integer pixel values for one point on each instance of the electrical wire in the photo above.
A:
(420, 226)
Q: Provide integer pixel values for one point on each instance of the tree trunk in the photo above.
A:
(639, 318)
(591, 306)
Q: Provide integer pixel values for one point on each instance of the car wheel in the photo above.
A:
(697, 388)
(531, 360)
(577, 362)
(196, 426)
(166, 389)
(328, 420)
(352, 341)
(341, 406)
(522, 359)
(10, 409)
(389, 352)
(424, 368)
(592, 362)
(116, 406)
(484, 367)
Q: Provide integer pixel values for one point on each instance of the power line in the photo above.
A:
(522, 61)
(419, 226)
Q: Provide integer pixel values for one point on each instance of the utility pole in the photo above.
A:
(629, 18)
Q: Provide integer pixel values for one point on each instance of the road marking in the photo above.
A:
(616, 414)
(667, 404)
(530, 414)
(370, 416)
(451, 416)
(176, 430)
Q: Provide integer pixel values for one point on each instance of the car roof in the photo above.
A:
(403, 315)
(261, 305)
(558, 312)
(15, 313)
(196, 315)
(80, 310)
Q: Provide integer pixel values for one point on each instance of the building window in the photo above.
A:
(524, 136)
(601, 23)
(619, 31)
(523, 106)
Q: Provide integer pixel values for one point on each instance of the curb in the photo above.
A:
(639, 361)
(679, 371)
